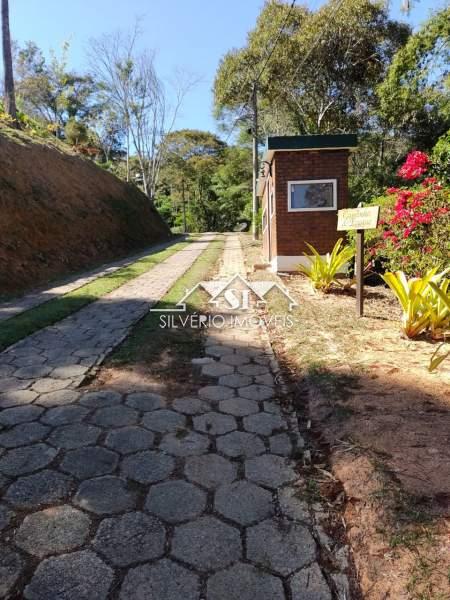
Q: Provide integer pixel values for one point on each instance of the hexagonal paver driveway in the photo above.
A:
(133, 494)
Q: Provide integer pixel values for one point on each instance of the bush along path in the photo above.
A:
(132, 494)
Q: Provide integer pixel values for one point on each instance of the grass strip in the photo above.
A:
(14, 329)
(147, 340)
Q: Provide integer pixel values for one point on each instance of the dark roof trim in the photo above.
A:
(312, 142)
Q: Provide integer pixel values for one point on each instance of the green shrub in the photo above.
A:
(75, 132)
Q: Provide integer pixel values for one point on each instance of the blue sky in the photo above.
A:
(186, 34)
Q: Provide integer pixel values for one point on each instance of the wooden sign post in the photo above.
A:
(359, 219)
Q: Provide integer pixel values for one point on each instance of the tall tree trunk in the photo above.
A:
(10, 97)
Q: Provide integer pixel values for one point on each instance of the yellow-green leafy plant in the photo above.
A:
(322, 271)
(412, 295)
(438, 303)
(437, 358)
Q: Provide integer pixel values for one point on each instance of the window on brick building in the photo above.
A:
(271, 202)
(309, 195)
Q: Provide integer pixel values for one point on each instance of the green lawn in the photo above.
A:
(16, 328)
(147, 341)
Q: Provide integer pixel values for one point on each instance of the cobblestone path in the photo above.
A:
(19, 305)
(137, 496)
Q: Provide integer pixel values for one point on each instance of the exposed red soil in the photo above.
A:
(61, 213)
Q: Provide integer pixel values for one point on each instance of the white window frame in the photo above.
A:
(271, 202)
(319, 208)
(264, 213)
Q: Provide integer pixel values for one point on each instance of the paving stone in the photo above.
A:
(272, 407)
(164, 580)
(76, 576)
(280, 545)
(218, 351)
(101, 399)
(235, 380)
(5, 516)
(201, 543)
(217, 369)
(20, 414)
(25, 433)
(281, 444)
(215, 393)
(164, 421)
(147, 467)
(69, 371)
(235, 360)
(205, 360)
(263, 360)
(253, 370)
(58, 398)
(266, 379)
(88, 462)
(26, 459)
(41, 488)
(64, 415)
(269, 470)
(73, 436)
(175, 501)
(215, 423)
(9, 384)
(239, 407)
(239, 444)
(264, 424)
(29, 361)
(310, 584)
(130, 538)
(32, 372)
(11, 566)
(54, 530)
(292, 505)
(256, 392)
(115, 416)
(244, 582)
(130, 439)
(185, 444)
(210, 470)
(7, 370)
(104, 495)
(244, 502)
(145, 401)
(49, 384)
(17, 398)
(190, 406)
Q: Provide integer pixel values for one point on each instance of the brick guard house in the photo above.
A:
(303, 183)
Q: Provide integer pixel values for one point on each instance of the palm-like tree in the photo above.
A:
(10, 98)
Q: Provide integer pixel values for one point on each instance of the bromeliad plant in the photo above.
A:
(424, 301)
(322, 271)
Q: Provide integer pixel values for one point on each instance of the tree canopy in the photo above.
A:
(321, 75)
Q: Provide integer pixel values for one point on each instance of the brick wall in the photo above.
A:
(316, 227)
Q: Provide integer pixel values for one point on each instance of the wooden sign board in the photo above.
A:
(358, 218)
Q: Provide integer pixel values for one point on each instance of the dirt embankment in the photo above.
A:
(60, 213)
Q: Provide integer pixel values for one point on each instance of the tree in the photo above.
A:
(191, 159)
(10, 97)
(130, 85)
(50, 90)
(322, 73)
(414, 98)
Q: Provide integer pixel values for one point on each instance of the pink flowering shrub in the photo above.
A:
(414, 230)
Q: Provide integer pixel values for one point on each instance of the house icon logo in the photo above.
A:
(235, 294)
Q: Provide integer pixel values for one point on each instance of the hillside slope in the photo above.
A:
(61, 213)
